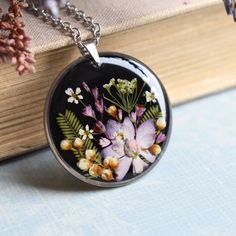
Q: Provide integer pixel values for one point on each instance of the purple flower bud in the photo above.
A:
(95, 93)
(99, 105)
(140, 110)
(86, 87)
(161, 138)
(88, 111)
(99, 127)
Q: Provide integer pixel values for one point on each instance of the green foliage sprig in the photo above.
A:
(151, 113)
(70, 126)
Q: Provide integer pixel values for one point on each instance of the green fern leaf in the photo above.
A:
(151, 113)
(70, 125)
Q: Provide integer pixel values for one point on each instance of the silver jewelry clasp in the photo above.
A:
(92, 51)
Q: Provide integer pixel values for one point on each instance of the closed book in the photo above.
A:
(189, 44)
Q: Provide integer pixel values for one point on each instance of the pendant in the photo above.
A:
(108, 125)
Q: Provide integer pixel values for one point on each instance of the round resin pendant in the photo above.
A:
(110, 125)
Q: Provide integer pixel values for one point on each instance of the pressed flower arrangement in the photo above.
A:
(119, 133)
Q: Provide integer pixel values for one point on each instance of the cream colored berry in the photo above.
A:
(78, 143)
(95, 170)
(90, 155)
(107, 174)
(112, 111)
(66, 145)
(161, 124)
(111, 162)
(84, 164)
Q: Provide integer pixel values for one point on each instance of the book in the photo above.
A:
(192, 53)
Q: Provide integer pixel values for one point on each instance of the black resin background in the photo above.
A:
(113, 66)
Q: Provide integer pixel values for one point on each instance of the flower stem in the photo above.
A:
(82, 103)
(117, 104)
(139, 93)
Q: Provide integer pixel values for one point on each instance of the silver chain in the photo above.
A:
(66, 27)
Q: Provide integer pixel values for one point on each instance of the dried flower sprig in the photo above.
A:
(14, 42)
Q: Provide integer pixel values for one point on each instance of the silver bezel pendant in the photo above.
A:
(108, 125)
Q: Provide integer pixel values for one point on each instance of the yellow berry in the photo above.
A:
(66, 145)
(112, 111)
(155, 149)
(161, 124)
(95, 170)
(107, 174)
(111, 162)
(90, 155)
(84, 164)
(106, 162)
(78, 143)
(114, 163)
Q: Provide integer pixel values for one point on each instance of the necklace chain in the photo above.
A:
(66, 26)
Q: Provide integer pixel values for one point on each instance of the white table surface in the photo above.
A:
(191, 191)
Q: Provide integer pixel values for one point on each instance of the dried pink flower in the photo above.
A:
(88, 111)
(99, 104)
(161, 138)
(99, 127)
(14, 42)
(95, 93)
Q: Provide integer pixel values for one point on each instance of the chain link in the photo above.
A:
(66, 27)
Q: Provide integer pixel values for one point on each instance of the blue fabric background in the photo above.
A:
(191, 191)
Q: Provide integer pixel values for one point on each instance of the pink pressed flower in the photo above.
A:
(95, 93)
(99, 105)
(104, 142)
(86, 87)
(129, 145)
(161, 138)
(14, 41)
(88, 111)
(99, 127)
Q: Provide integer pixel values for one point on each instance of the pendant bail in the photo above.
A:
(93, 52)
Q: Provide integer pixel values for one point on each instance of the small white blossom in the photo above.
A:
(87, 133)
(110, 84)
(150, 96)
(74, 96)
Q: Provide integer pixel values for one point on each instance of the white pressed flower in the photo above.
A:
(150, 96)
(74, 96)
(104, 142)
(134, 82)
(87, 133)
(110, 84)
